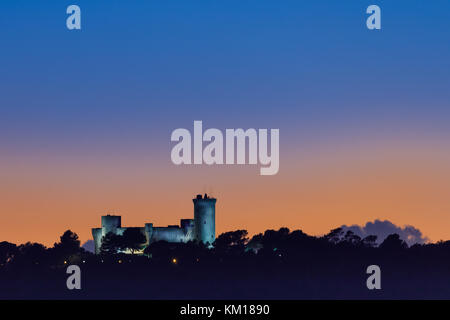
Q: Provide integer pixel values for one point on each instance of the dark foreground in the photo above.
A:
(287, 265)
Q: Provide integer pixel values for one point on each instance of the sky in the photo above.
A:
(86, 115)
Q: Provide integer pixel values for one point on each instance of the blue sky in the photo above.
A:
(139, 69)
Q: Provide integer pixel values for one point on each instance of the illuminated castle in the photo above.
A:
(201, 228)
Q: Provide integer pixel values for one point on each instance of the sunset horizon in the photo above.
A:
(224, 159)
(332, 188)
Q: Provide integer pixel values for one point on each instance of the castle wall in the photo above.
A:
(120, 231)
(170, 234)
(97, 235)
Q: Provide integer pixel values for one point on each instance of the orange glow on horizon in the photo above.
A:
(315, 190)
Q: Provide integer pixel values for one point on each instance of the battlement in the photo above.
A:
(204, 199)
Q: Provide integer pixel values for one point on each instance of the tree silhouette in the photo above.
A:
(335, 235)
(255, 243)
(231, 241)
(160, 250)
(393, 243)
(133, 240)
(31, 253)
(352, 238)
(274, 240)
(7, 252)
(111, 243)
(69, 243)
(370, 241)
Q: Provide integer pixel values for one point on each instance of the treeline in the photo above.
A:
(275, 264)
(36, 255)
(271, 244)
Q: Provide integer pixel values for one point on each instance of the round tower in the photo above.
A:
(205, 218)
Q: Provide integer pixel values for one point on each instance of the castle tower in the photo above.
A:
(205, 219)
(110, 224)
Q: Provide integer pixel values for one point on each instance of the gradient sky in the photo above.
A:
(86, 116)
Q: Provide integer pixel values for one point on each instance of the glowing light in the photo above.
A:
(120, 261)
(65, 262)
(174, 261)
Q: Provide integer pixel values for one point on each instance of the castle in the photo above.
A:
(201, 228)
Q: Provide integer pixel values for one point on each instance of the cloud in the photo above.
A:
(382, 229)
(89, 246)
